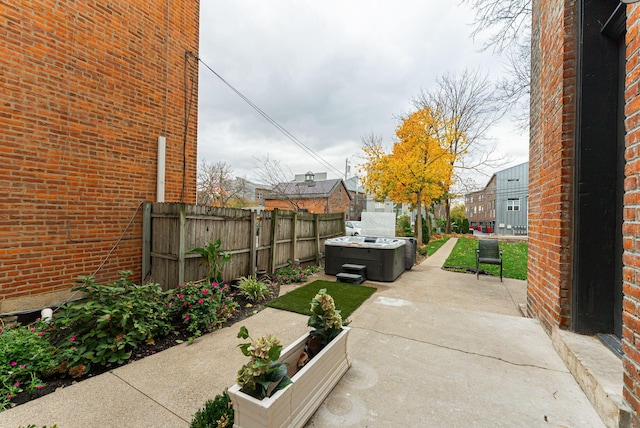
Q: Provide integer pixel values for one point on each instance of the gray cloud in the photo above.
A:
(329, 72)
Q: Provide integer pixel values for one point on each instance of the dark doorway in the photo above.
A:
(599, 169)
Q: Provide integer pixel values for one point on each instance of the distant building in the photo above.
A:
(501, 207)
(310, 195)
(358, 199)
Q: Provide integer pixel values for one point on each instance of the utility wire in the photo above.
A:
(273, 122)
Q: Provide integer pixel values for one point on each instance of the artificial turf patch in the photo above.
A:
(347, 297)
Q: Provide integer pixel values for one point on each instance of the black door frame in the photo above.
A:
(597, 233)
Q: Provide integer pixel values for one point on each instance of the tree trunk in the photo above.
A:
(447, 210)
(418, 225)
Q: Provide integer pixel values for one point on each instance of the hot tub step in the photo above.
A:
(351, 278)
(355, 269)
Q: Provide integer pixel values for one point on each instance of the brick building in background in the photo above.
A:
(87, 90)
(584, 194)
(310, 194)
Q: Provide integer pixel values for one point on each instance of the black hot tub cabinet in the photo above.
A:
(383, 257)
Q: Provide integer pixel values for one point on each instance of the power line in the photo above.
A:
(272, 121)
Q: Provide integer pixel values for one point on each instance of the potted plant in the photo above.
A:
(314, 364)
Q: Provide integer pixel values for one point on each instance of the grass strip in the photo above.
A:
(433, 246)
(348, 297)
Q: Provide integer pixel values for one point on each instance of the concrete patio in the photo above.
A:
(432, 349)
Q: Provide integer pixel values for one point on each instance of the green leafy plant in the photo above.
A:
(108, 323)
(325, 318)
(35, 426)
(201, 306)
(292, 273)
(254, 289)
(25, 357)
(263, 375)
(403, 226)
(216, 413)
(214, 258)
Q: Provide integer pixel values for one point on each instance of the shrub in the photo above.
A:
(403, 226)
(201, 307)
(291, 273)
(104, 327)
(426, 230)
(253, 289)
(25, 356)
(465, 226)
(216, 413)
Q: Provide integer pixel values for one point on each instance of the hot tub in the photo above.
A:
(383, 257)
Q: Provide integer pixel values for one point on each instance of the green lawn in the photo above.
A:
(347, 297)
(514, 258)
(433, 246)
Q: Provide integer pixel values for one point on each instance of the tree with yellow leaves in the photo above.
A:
(418, 169)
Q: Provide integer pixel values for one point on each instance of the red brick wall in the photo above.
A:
(550, 161)
(86, 89)
(339, 201)
(631, 226)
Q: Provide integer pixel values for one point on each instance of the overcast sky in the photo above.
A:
(330, 73)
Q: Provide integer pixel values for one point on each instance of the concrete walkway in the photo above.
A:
(432, 349)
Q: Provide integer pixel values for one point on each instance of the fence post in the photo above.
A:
(274, 235)
(316, 226)
(294, 236)
(253, 242)
(146, 241)
(181, 241)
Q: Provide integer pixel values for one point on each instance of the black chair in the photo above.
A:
(489, 253)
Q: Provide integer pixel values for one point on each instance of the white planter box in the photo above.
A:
(294, 405)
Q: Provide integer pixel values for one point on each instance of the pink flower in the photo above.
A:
(17, 384)
(23, 366)
(39, 386)
(9, 397)
(201, 301)
(73, 339)
(13, 363)
(186, 317)
(40, 334)
(205, 291)
(169, 304)
(179, 296)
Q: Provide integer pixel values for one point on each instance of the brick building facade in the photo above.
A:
(87, 90)
(314, 196)
(584, 198)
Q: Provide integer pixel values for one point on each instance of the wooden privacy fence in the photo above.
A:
(255, 241)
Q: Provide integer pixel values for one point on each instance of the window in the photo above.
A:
(513, 204)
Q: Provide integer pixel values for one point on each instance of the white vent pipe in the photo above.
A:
(162, 155)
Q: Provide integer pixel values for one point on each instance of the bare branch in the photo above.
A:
(273, 175)
(506, 20)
